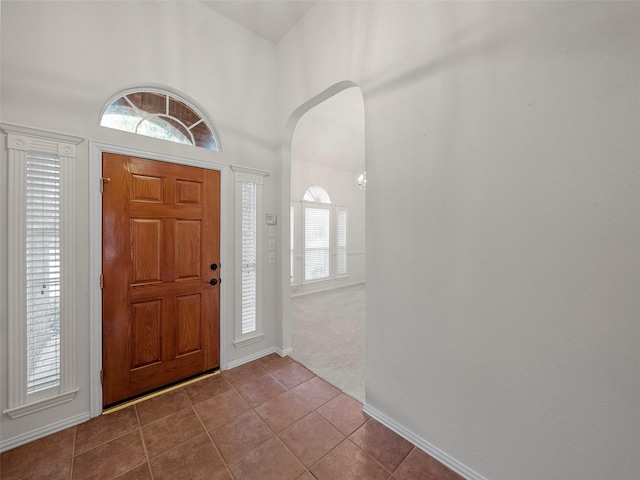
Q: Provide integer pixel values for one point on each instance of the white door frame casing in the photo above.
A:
(96, 149)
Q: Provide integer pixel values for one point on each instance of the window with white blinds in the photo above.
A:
(341, 242)
(43, 271)
(249, 235)
(249, 257)
(316, 243)
(292, 244)
(323, 238)
(41, 345)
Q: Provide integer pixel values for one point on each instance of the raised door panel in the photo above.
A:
(146, 324)
(146, 249)
(188, 330)
(145, 188)
(188, 248)
(188, 192)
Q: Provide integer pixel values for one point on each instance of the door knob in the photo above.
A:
(213, 281)
(214, 266)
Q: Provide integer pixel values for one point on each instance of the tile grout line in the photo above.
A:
(252, 409)
(346, 437)
(390, 472)
(275, 434)
(403, 459)
(192, 406)
(127, 432)
(138, 428)
(144, 444)
(395, 469)
(73, 452)
(206, 431)
(306, 470)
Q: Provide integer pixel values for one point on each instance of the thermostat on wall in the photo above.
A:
(272, 218)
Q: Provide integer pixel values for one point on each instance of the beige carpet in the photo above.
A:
(328, 336)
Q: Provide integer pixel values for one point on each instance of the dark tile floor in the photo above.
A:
(268, 419)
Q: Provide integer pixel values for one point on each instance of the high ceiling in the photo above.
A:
(271, 19)
(330, 134)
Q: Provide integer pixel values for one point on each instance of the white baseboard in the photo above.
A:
(38, 433)
(435, 452)
(257, 355)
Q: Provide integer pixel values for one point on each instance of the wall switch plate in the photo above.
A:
(272, 257)
(272, 244)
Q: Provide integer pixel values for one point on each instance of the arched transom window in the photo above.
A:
(316, 194)
(160, 114)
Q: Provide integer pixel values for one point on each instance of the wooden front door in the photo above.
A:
(160, 256)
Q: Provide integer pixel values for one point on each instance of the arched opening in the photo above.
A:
(327, 254)
(158, 113)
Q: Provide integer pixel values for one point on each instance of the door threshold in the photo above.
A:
(157, 393)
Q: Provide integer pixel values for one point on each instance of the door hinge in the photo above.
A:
(101, 377)
(101, 281)
(103, 180)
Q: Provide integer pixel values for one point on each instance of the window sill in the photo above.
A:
(38, 405)
(248, 341)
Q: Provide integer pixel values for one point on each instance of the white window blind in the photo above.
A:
(249, 257)
(248, 253)
(341, 241)
(292, 246)
(43, 272)
(316, 243)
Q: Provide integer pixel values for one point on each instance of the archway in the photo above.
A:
(324, 145)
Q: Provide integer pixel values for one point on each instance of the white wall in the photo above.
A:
(502, 223)
(60, 63)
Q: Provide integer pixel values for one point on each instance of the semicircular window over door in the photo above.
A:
(159, 114)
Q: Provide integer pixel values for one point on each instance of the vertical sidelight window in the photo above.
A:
(292, 244)
(41, 265)
(249, 257)
(248, 317)
(43, 271)
(341, 242)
